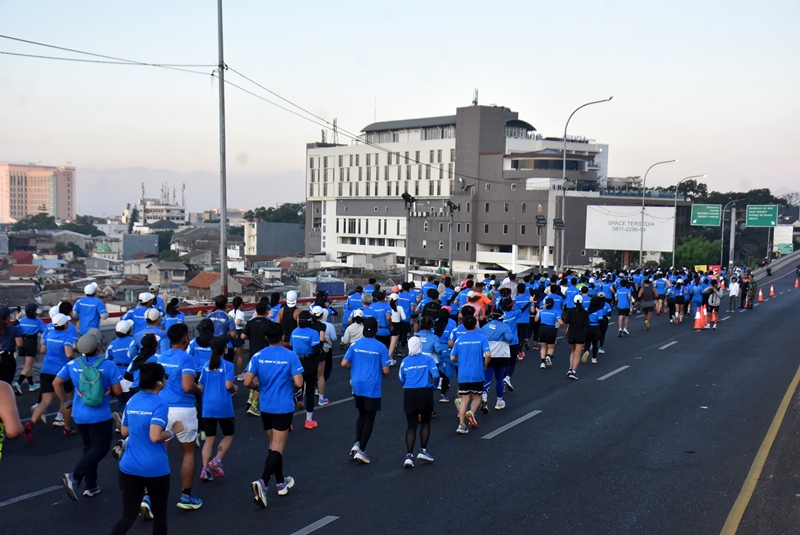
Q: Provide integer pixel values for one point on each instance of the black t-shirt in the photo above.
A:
(256, 332)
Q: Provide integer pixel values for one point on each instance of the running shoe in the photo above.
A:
(27, 431)
(507, 382)
(423, 455)
(253, 411)
(569, 372)
(500, 405)
(118, 450)
(392, 362)
(260, 492)
(215, 467)
(601, 350)
(190, 502)
(68, 432)
(714, 326)
(70, 485)
(91, 492)
(145, 508)
(444, 399)
(409, 462)
(594, 361)
(240, 377)
(484, 406)
(298, 399)
(34, 387)
(17, 388)
(572, 375)
(543, 365)
(206, 475)
(117, 421)
(620, 333)
(521, 355)
(310, 424)
(548, 361)
(472, 423)
(439, 387)
(355, 449)
(59, 421)
(462, 429)
(457, 402)
(361, 457)
(626, 331)
(647, 324)
(584, 357)
(283, 488)
(323, 401)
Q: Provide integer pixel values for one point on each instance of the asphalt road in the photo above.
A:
(662, 446)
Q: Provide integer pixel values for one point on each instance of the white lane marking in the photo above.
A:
(665, 346)
(510, 425)
(725, 318)
(780, 293)
(324, 521)
(640, 316)
(318, 407)
(606, 376)
(30, 495)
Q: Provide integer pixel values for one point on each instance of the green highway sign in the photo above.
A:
(706, 215)
(762, 215)
(785, 248)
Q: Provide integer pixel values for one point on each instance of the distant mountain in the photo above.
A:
(108, 191)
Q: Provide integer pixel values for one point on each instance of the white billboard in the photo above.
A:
(619, 228)
(783, 234)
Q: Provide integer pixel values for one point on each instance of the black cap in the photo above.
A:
(273, 330)
(205, 325)
(219, 344)
(304, 320)
(370, 327)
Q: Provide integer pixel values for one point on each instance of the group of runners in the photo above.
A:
(174, 385)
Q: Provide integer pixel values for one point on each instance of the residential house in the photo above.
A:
(206, 286)
(166, 273)
(24, 272)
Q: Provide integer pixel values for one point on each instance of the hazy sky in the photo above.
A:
(714, 84)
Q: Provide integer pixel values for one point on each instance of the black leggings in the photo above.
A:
(445, 384)
(8, 367)
(132, 488)
(424, 430)
(328, 365)
(603, 329)
(364, 425)
(273, 465)
(592, 339)
(310, 378)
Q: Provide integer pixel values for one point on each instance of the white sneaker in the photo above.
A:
(601, 350)
(542, 365)
(361, 457)
(355, 449)
(500, 405)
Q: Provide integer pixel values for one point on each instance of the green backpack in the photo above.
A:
(91, 383)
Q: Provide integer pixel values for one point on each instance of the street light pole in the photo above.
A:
(722, 229)
(675, 231)
(560, 258)
(644, 190)
(223, 195)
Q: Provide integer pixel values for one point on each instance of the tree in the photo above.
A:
(134, 218)
(791, 199)
(169, 256)
(83, 224)
(72, 247)
(164, 240)
(36, 222)
(284, 213)
(694, 251)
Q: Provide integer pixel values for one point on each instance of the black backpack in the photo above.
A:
(431, 309)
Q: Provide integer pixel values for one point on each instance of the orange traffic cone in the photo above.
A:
(714, 318)
(797, 283)
(704, 316)
(698, 321)
(771, 290)
(746, 302)
(722, 284)
(760, 296)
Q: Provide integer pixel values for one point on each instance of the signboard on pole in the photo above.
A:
(706, 215)
(785, 248)
(783, 239)
(620, 228)
(762, 215)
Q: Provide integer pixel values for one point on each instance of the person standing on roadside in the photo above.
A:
(276, 372)
(91, 409)
(733, 294)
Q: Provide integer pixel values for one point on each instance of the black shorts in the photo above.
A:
(648, 309)
(418, 400)
(548, 335)
(470, 388)
(277, 422)
(661, 296)
(46, 380)
(576, 336)
(30, 346)
(680, 299)
(384, 339)
(227, 425)
(624, 311)
(366, 404)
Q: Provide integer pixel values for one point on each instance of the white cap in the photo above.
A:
(317, 311)
(145, 297)
(591, 280)
(155, 288)
(471, 294)
(291, 298)
(393, 297)
(89, 289)
(152, 314)
(124, 326)
(578, 299)
(60, 319)
(358, 313)
(53, 312)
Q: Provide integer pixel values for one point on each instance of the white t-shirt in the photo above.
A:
(398, 315)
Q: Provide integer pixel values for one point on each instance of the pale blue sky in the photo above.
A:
(714, 84)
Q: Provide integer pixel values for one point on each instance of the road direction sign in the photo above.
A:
(706, 215)
(762, 215)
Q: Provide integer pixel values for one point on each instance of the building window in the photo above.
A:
(369, 159)
(522, 207)
(424, 244)
(374, 208)
(341, 160)
(505, 207)
(486, 228)
(428, 172)
(467, 229)
(466, 246)
(325, 161)
(389, 158)
(430, 160)
(369, 173)
(486, 207)
(360, 173)
(439, 156)
(458, 246)
(452, 155)
(416, 188)
(441, 245)
(351, 160)
(505, 229)
(311, 163)
(513, 187)
(488, 186)
(441, 227)
(458, 227)
(430, 188)
(522, 229)
(357, 160)
(468, 208)
(425, 226)
(416, 156)
(406, 156)
(377, 159)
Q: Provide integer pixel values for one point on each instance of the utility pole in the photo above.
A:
(732, 240)
(223, 198)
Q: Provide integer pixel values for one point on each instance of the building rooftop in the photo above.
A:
(24, 270)
(204, 279)
(408, 124)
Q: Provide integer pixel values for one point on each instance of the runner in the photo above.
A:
(499, 335)
(179, 393)
(146, 300)
(367, 359)
(117, 352)
(255, 331)
(145, 464)
(605, 319)
(576, 320)
(306, 344)
(94, 379)
(89, 309)
(223, 324)
(382, 312)
(237, 344)
(30, 328)
(549, 319)
(218, 387)
(623, 297)
(325, 365)
(596, 313)
(649, 302)
(276, 372)
(471, 351)
(173, 315)
(660, 286)
(355, 330)
(447, 370)
(287, 316)
(399, 325)
(417, 374)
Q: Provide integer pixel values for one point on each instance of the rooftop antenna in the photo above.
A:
(335, 139)
(183, 195)
(475, 98)
(323, 135)
(143, 194)
(174, 196)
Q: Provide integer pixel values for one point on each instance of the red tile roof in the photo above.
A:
(22, 257)
(204, 279)
(24, 270)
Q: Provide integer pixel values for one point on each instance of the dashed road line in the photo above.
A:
(725, 318)
(510, 425)
(606, 376)
(30, 495)
(665, 346)
(324, 521)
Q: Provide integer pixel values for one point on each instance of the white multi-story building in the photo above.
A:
(484, 160)
(27, 190)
